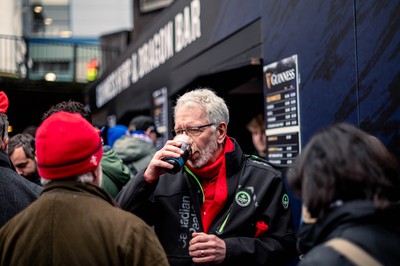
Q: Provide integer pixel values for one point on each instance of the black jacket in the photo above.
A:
(255, 193)
(16, 192)
(376, 232)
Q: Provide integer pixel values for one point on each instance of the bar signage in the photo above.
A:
(170, 39)
(282, 111)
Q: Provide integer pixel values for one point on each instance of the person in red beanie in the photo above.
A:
(74, 221)
(115, 173)
(3, 102)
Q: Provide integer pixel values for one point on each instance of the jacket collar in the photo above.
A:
(234, 159)
(5, 160)
(72, 185)
(350, 212)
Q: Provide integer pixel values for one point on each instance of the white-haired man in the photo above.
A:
(222, 207)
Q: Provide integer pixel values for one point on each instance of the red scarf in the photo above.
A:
(213, 181)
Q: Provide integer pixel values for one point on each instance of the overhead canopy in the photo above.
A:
(218, 38)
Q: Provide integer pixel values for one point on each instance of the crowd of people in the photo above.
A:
(75, 194)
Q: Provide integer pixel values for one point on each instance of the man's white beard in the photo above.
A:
(205, 154)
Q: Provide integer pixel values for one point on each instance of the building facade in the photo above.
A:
(303, 64)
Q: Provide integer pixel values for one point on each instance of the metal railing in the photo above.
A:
(38, 59)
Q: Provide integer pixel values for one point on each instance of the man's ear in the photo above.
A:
(222, 129)
(4, 144)
(98, 176)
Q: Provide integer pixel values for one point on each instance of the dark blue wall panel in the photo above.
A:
(321, 33)
(378, 58)
(349, 61)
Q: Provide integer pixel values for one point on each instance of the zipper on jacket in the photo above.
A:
(197, 181)
(221, 228)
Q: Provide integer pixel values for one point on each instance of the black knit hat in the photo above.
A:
(143, 122)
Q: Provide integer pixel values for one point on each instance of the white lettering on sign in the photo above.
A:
(187, 26)
(169, 39)
(283, 77)
(156, 51)
(114, 84)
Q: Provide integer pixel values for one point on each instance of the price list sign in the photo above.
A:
(160, 114)
(282, 117)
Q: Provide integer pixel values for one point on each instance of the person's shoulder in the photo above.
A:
(121, 140)
(5, 171)
(109, 154)
(128, 141)
(323, 255)
(263, 163)
(13, 180)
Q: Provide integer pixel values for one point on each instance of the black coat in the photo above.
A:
(16, 192)
(173, 203)
(376, 232)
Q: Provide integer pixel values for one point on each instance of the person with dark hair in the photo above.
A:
(31, 130)
(70, 106)
(74, 221)
(349, 184)
(16, 192)
(21, 149)
(115, 173)
(222, 206)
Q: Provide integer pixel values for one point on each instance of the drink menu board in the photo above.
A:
(282, 114)
(160, 114)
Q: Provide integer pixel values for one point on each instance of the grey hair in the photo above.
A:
(88, 177)
(213, 105)
(3, 126)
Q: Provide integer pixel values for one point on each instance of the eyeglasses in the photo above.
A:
(193, 131)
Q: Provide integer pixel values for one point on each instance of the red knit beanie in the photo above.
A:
(3, 102)
(67, 145)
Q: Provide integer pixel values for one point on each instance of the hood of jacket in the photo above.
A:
(131, 149)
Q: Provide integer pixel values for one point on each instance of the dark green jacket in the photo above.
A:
(78, 224)
(115, 173)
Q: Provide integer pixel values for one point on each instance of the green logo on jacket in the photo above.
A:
(243, 198)
(285, 201)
